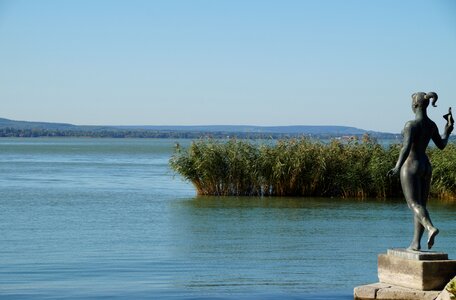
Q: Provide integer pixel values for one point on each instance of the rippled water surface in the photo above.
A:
(106, 218)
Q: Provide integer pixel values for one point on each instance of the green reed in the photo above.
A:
(302, 167)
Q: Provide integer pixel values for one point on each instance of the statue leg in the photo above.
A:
(414, 188)
(422, 216)
(417, 235)
(426, 184)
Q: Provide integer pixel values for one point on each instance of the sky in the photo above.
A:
(230, 62)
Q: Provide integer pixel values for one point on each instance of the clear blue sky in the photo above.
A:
(193, 62)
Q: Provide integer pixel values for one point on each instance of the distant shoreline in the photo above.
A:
(157, 134)
(12, 128)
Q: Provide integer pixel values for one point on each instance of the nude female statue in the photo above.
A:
(414, 167)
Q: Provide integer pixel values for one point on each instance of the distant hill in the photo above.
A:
(6, 123)
(25, 128)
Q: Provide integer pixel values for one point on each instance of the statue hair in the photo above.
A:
(421, 99)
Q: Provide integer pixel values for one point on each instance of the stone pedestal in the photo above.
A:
(418, 270)
(409, 275)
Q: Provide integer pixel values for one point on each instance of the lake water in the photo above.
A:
(107, 218)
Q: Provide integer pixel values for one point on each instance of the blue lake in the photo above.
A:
(107, 218)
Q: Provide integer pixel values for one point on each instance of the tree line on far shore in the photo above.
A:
(304, 167)
(152, 133)
(99, 133)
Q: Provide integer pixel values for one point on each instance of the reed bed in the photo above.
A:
(303, 167)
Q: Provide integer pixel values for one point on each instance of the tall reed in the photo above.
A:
(302, 167)
(443, 172)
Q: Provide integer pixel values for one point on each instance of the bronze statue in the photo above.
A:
(414, 167)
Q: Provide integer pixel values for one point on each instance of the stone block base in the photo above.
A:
(404, 268)
(383, 291)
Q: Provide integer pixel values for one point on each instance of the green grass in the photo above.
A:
(451, 288)
(301, 167)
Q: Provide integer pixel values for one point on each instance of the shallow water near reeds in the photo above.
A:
(106, 218)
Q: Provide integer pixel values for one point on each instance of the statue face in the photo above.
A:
(414, 106)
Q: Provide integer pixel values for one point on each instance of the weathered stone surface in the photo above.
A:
(368, 291)
(415, 274)
(382, 291)
(417, 255)
(402, 293)
(445, 295)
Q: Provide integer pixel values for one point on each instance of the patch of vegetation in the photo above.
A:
(304, 167)
(451, 288)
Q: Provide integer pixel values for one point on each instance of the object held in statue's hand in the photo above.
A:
(449, 117)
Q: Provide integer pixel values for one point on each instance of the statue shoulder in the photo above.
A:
(434, 127)
(410, 129)
(410, 126)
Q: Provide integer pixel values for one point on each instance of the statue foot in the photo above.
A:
(432, 233)
(414, 247)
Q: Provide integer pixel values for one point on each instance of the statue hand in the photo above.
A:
(449, 128)
(392, 172)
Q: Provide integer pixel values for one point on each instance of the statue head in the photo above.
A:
(421, 100)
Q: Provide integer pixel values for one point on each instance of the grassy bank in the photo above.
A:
(301, 167)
